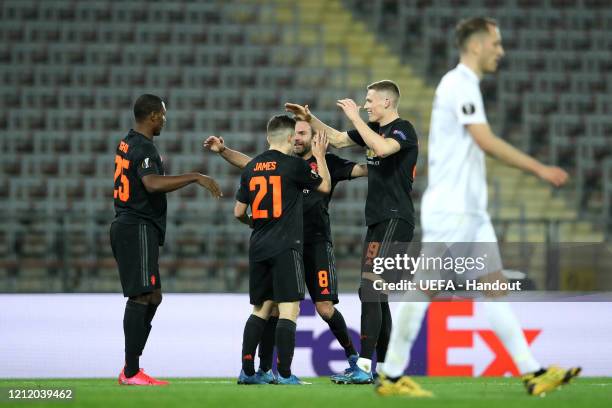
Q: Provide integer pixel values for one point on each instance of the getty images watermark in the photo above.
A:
(529, 272)
(459, 267)
(431, 270)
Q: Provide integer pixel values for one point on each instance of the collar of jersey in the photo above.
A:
(471, 74)
(390, 123)
(132, 131)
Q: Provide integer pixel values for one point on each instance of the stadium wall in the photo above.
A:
(197, 335)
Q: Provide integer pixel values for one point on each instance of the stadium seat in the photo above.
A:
(71, 71)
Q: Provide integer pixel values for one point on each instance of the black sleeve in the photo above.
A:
(339, 169)
(304, 176)
(405, 135)
(356, 137)
(242, 194)
(145, 160)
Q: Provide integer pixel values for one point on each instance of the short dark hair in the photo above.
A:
(145, 105)
(280, 123)
(470, 26)
(386, 85)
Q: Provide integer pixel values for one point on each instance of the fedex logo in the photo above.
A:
(440, 339)
(430, 352)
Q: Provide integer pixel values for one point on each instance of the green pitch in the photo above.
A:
(224, 393)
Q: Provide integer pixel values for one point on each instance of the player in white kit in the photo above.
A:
(454, 208)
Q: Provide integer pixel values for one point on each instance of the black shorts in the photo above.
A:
(136, 250)
(280, 278)
(386, 239)
(320, 266)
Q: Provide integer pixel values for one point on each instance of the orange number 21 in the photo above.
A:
(261, 183)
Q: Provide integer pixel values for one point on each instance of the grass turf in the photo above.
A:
(224, 393)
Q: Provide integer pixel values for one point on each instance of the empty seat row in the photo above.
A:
(554, 83)
(125, 12)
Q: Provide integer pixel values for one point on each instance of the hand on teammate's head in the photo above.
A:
(211, 185)
(300, 112)
(214, 144)
(349, 107)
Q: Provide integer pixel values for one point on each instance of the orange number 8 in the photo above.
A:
(323, 279)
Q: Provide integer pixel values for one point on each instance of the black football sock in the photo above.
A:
(253, 329)
(371, 319)
(338, 326)
(266, 346)
(151, 309)
(285, 344)
(385, 331)
(134, 330)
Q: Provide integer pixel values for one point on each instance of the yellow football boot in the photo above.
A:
(403, 386)
(551, 379)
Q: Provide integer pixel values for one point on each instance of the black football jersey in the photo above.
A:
(316, 216)
(390, 178)
(272, 185)
(136, 156)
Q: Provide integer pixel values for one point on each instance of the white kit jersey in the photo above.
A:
(456, 164)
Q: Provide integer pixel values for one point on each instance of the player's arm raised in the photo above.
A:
(381, 146)
(336, 138)
(217, 145)
(359, 170)
(319, 148)
(155, 183)
(490, 143)
(240, 212)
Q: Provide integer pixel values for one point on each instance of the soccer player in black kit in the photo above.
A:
(391, 151)
(319, 262)
(139, 227)
(271, 184)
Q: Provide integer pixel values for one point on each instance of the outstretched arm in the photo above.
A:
(234, 157)
(381, 146)
(486, 139)
(336, 138)
(155, 183)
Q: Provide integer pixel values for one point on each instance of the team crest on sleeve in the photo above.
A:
(400, 134)
(146, 163)
(468, 109)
